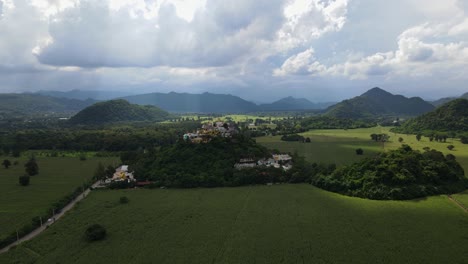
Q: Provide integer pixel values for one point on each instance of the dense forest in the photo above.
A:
(189, 165)
(112, 138)
(398, 175)
(329, 122)
(451, 117)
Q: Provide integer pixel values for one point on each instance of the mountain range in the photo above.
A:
(290, 104)
(27, 104)
(378, 102)
(86, 94)
(185, 102)
(375, 102)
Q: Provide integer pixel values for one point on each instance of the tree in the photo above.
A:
(307, 140)
(450, 147)
(464, 139)
(6, 164)
(24, 180)
(100, 172)
(123, 200)
(95, 232)
(359, 151)
(400, 139)
(31, 167)
(418, 137)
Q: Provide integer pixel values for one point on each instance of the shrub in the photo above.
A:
(24, 180)
(450, 147)
(83, 157)
(123, 200)
(95, 232)
(31, 167)
(359, 151)
(292, 137)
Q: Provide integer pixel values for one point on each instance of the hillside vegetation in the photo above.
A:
(377, 102)
(451, 117)
(192, 165)
(118, 111)
(398, 174)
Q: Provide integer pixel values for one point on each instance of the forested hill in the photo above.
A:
(195, 103)
(289, 104)
(452, 116)
(118, 111)
(377, 102)
(445, 100)
(27, 104)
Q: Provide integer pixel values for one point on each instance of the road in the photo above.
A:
(41, 229)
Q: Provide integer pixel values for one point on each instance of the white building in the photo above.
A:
(122, 174)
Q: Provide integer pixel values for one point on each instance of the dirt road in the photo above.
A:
(39, 230)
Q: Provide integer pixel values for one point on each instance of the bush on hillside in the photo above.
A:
(95, 232)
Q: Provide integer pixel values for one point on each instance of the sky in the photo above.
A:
(260, 50)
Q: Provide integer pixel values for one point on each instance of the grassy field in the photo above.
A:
(339, 145)
(57, 178)
(261, 224)
(462, 198)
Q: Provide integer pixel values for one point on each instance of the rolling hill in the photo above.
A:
(452, 116)
(117, 111)
(33, 104)
(377, 102)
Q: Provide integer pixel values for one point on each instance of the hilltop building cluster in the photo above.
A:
(121, 174)
(211, 130)
(277, 161)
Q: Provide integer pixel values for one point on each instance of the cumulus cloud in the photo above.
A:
(422, 50)
(232, 46)
(303, 63)
(93, 34)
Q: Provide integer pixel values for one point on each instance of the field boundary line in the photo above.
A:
(32, 252)
(221, 249)
(455, 201)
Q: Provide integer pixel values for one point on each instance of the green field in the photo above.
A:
(339, 145)
(57, 178)
(462, 198)
(261, 224)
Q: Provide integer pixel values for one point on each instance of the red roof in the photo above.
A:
(143, 183)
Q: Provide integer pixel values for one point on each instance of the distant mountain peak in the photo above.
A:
(376, 91)
(376, 102)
